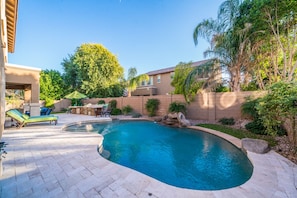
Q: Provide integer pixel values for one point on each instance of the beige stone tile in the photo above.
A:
(88, 183)
(46, 159)
(103, 183)
(107, 192)
(92, 193)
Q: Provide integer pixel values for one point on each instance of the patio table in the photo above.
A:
(86, 110)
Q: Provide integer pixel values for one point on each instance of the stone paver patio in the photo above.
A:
(44, 161)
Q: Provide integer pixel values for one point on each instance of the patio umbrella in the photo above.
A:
(75, 95)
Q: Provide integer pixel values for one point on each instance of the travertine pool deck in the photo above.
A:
(44, 161)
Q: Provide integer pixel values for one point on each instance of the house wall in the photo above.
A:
(27, 78)
(206, 106)
(164, 86)
(3, 60)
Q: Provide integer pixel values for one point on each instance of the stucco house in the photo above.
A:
(8, 15)
(160, 81)
(15, 76)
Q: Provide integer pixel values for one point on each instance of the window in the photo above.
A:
(159, 78)
(150, 81)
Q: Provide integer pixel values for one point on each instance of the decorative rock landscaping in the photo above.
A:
(175, 119)
(255, 145)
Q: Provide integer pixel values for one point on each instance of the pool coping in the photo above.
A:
(253, 157)
(273, 176)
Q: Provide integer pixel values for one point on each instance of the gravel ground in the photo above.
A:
(286, 149)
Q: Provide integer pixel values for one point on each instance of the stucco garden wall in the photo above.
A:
(206, 106)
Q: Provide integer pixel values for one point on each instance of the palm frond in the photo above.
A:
(205, 29)
(206, 72)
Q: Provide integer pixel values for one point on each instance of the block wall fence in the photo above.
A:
(206, 106)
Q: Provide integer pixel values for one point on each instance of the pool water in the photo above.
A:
(180, 157)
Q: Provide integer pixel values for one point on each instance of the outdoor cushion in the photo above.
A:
(45, 111)
(16, 115)
(25, 116)
(23, 119)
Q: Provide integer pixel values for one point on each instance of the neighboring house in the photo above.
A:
(160, 82)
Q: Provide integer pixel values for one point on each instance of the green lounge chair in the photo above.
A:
(23, 119)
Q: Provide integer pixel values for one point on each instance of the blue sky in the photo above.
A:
(146, 34)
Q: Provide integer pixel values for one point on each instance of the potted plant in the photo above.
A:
(2, 153)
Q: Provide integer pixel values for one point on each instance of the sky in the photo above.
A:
(145, 34)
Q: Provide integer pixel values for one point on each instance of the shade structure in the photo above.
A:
(75, 95)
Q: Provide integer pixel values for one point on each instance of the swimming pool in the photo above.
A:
(183, 158)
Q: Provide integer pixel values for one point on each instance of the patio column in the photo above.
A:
(27, 94)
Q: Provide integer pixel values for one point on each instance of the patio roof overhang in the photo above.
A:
(11, 11)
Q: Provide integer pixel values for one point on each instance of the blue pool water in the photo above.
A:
(180, 157)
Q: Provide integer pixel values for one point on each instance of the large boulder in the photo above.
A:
(172, 115)
(255, 145)
(182, 120)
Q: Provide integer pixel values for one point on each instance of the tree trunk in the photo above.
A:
(290, 127)
(235, 79)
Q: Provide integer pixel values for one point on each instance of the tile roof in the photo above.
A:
(171, 69)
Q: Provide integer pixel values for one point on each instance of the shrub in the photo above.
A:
(116, 111)
(177, 107)
(49, 103)
(256, 127)
(222, 88)
(227, 121)
(127, 109)
(152, 106)
(136, 115)
(278, 107)
(252, 86)
(249, 109)
(101, 102)
(113, 104)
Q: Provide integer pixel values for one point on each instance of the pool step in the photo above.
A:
(102, 152)
(105, 154)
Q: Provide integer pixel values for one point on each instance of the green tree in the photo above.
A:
(276, 56)
(279, 108)
(95, 71)
(181, 72)
(204, 77)
(51, 85)
(133, 80)
(230, 42)
(70, 76)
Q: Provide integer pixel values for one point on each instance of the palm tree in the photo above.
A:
(133, 81)
(230, 44)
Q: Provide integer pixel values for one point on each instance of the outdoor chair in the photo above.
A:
(97, 111)
(68, 110)
(105, 110)
(23, 119)
(45, 111)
